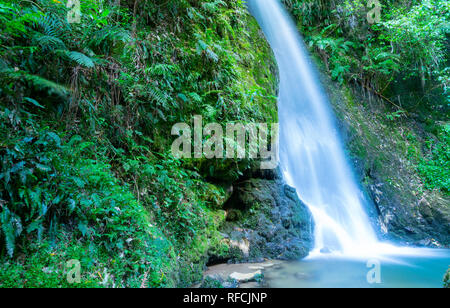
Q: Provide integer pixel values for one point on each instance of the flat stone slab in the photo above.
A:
(243, 271)
(242, 277)
(254, 267)
(265, 265)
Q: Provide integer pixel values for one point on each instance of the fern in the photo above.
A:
(227, 26)
(211, 55)
(53, 26)
(203, 47)
(209, 112)
(165, 70)
(38, 82)
(11, 227)
(14, 20)
(160, 97)
(213, 7)
(109, 34)
(77, 57)
(195, 97)
(194, 14)
(48, 42)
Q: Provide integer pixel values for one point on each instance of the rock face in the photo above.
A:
(409, 220)
(266, 219)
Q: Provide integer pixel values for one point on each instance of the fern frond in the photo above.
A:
(110, 34)
(54, 26)
(48, 42)
(77, 57)
(193, 14)
(195, 97)
(211, 55)
(165, 70)
(38, 82)
(12, 228)
(213, 7)
(14, 20)
(158, 96)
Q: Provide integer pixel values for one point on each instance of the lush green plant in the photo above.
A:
(50, 185)
(435, 167)
(409, 42)
(418, 36)
(44, 265)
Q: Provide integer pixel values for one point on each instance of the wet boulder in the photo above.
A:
(266, 219)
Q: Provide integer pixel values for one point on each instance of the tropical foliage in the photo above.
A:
(86, 110)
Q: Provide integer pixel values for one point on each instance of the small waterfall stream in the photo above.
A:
(311, 152)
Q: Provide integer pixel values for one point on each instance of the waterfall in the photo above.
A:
(312, 154)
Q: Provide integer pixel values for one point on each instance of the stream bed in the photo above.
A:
(426, 269)
(336, 272)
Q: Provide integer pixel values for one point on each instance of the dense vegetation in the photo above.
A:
(86, 114)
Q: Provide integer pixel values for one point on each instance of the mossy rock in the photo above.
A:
(267, 220)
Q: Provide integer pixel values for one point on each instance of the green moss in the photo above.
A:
(234, 215)
(44, 266)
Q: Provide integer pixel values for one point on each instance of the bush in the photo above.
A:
(50, 186)
(435, 167)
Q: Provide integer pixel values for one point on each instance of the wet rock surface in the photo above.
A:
(266, 219)
(242, 275)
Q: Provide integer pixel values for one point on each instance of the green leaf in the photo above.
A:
(34, 102)
(77, 57)
(83, 228)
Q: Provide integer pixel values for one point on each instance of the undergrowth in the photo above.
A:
(86, 110)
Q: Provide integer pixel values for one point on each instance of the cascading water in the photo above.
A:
(311, 152)
(313, 161)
